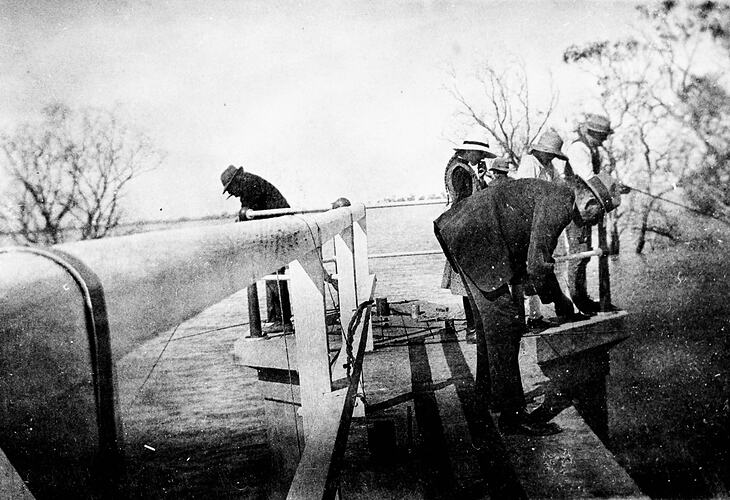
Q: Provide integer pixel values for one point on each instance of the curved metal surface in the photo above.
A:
(151, 282)
(108, 462)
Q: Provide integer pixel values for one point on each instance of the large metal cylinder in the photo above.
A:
(152, 282)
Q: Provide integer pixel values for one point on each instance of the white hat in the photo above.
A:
(476, 143)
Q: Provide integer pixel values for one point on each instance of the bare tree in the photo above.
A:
(506, 108)
(672, 133)
(69, 172)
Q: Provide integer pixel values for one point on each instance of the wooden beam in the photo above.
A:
(362, 270)
(319, 468)
(346, 281)
(604, 278)
(307, 296)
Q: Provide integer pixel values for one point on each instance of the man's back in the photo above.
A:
(493, 233)
(259, 194)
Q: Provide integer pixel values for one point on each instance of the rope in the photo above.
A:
(699, 212)
(351, 327)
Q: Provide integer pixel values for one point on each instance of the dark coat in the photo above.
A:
(257, 193)
(506, 234)
(499, 180)
(460, 179)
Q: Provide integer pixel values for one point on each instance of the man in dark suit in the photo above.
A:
(501, 240)
(257, 193)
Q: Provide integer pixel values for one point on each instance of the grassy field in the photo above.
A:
(669, 384)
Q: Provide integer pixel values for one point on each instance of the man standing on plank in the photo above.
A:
(256, 193)
(499, 240)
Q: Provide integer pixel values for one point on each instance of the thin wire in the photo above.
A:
(291, 391)
(288, 364)
(154, 365)
(699, 212)
(210, 331)
(327, 275)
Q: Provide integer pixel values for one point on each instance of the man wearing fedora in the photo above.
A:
(498, 239)
(499, 168)
(538, 164)
(462, 179)
(256, 193)
(584, 161)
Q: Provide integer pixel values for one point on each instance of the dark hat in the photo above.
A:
(606, 190)
(500, 165)
(598, 123)
(549, 142)
(228, 175)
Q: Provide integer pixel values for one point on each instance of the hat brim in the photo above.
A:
(602, 193)
(558, 154)
(239, 170)
(610, 131)
(490, 154)
(598, 130)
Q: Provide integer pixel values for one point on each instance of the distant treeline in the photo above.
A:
(413, 197)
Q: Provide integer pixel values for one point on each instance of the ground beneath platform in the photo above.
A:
(195, 427)
(428, 434)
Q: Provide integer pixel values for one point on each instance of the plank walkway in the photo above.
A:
(195, 425)
(427, 435)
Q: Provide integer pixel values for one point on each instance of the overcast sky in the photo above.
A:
(324, 99)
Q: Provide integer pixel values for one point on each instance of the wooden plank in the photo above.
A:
(308, 303)
(604, 278)
(568, 328)
(571, 464)
(362, 271)
(346, 281)
(318, 473)
(12, 486)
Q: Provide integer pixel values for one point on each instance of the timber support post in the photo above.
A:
(604, 279)
(254, 314)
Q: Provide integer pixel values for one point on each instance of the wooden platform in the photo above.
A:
(426, 434)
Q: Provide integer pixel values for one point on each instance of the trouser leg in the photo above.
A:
(468, 313)
(278, 304)
(498, 345)
(533, 306)
(579, 240)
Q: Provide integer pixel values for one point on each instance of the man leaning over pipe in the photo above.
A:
(256, 193)
(584, 160)
(502, 239)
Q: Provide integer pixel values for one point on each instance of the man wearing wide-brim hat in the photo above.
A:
(584, 161)
(256, 193)
(538, 162)
(465, 169)
(462, 179)
(499, 240)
